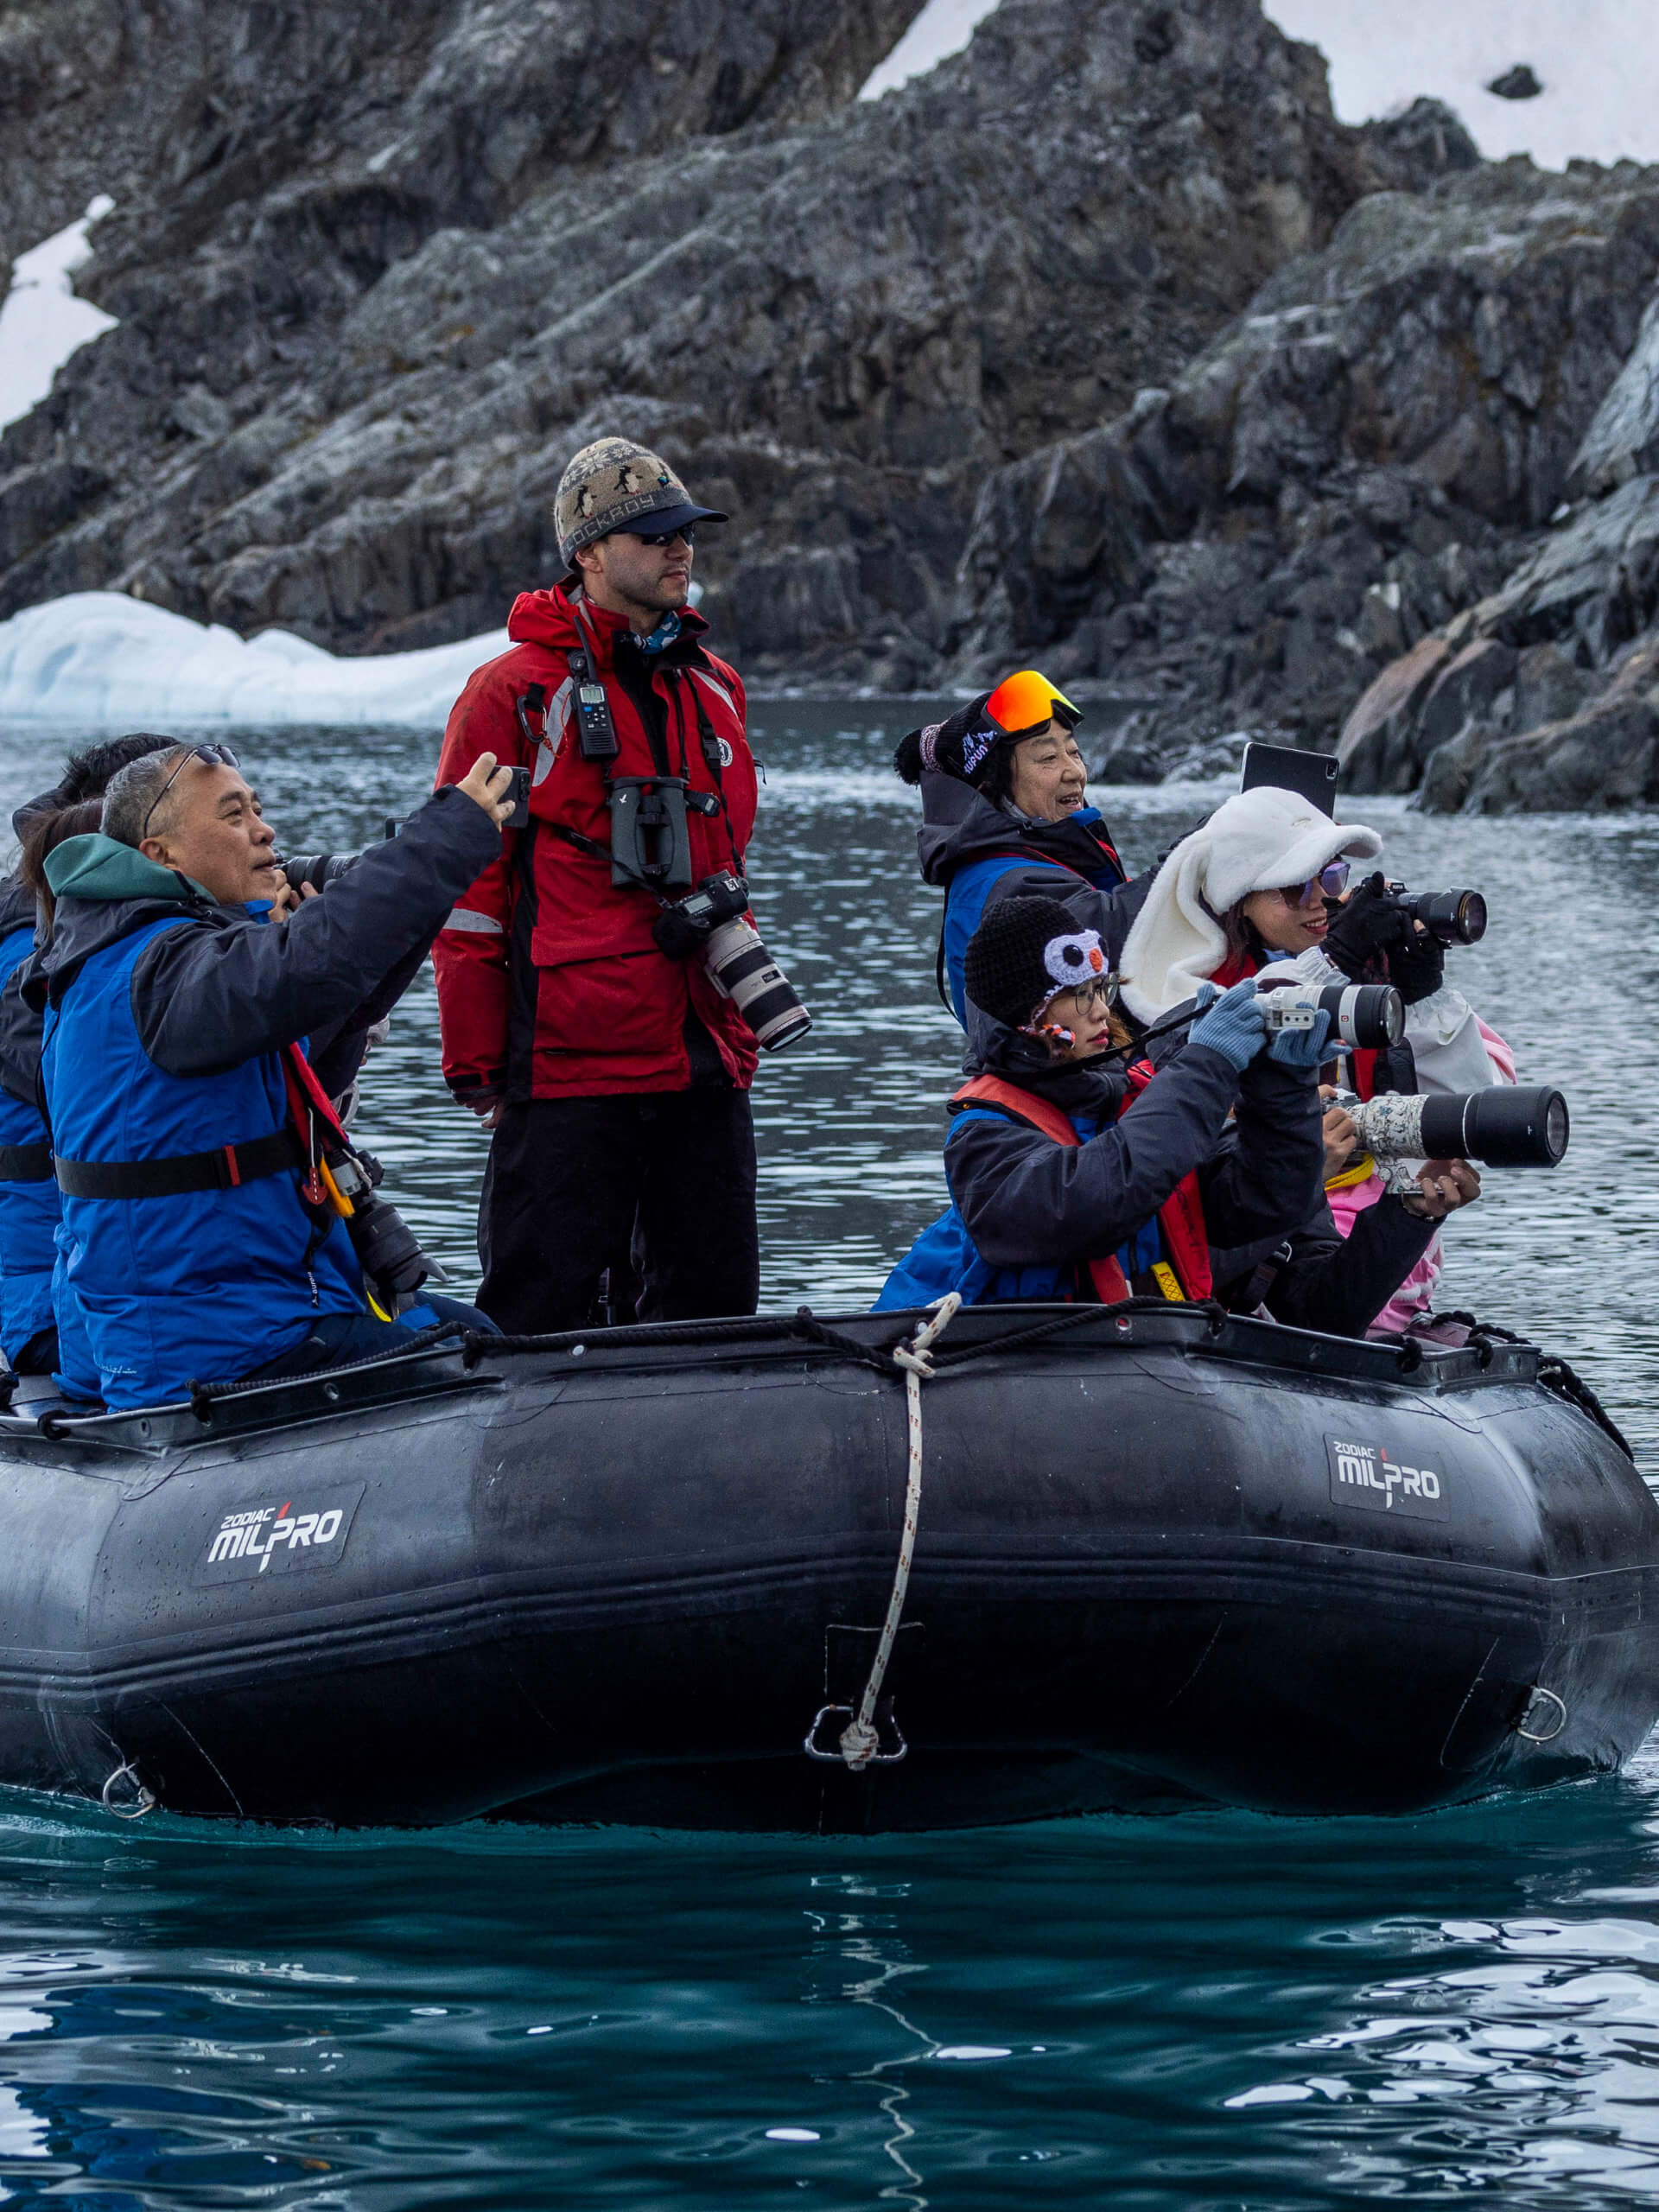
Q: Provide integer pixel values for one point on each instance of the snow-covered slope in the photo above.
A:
(99, 659)
(42, 322)
(1595, 59)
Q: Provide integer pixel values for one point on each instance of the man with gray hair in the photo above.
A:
(187, 1121)
(587, 1036)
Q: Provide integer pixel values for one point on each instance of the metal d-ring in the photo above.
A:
(1530, 1735)
(146, 1801)
(837, 1758)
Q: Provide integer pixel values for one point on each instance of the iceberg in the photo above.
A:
(99, 659)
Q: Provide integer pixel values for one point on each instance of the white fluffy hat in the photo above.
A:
(1259, 840)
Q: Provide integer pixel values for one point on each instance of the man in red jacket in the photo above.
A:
(615, 1077)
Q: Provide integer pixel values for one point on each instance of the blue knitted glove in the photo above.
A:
(1301, 1048)
(1230, 1024)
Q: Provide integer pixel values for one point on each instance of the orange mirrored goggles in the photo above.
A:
(1026, 700)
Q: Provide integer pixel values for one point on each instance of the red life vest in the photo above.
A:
(1180, 1216)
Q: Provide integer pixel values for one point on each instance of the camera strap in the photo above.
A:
(1267, 1274)
(595, 851)
(709, 742)
(330, 1160)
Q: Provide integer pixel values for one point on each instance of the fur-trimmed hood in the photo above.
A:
(1259, 840)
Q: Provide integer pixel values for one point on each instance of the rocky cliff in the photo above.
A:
(379, 274)
(271, 160)
(1103, 343)
(1366, 477)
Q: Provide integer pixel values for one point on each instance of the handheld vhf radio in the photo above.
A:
(596, 732)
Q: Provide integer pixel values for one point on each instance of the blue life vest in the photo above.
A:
(971, 886)
(77, 1371)
(28, 1209)
(207, 1285)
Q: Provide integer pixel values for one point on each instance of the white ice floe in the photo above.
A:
(42, 322)
(98, 658)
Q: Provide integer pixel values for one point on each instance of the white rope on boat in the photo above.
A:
(860, 1740)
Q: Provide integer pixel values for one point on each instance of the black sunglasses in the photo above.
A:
(216, 756)
(687, 530)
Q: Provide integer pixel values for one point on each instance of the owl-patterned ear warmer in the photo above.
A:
(1074, 959)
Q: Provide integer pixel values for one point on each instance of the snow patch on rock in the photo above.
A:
(42, 322)
(943, 28)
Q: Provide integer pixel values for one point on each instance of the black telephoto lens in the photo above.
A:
(1510, 1125)
(1450, 917)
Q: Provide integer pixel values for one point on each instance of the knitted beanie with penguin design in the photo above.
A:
(1022, 953)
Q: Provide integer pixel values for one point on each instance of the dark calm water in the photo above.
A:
(1215, 2011)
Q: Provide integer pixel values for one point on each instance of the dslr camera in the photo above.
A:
(1368, 1017)
(709, 924)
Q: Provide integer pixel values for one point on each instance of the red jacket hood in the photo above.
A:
(549, 618)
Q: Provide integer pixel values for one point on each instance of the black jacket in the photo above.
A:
(1317, 1280)
(1025, 1201)
(960, 824)
(1328, 1283)
(208, 998)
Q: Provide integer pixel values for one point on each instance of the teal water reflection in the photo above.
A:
(1213, 2012)
(1191, 2015)
(851, 1120)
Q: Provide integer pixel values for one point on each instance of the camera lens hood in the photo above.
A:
(1510, 1125)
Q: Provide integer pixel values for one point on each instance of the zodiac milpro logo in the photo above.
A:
(1366, 1475)
(292, 1531)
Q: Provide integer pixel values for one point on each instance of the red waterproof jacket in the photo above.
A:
(550, 984)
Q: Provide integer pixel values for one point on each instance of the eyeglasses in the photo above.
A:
(1096, 997)
(687, 530)
(1329, 883)
(1026, 701)
(215, 756)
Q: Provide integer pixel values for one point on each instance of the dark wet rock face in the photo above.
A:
(1574, 719)
(270, 164)
(1358, 462)
(1103, 345)
(343, 387)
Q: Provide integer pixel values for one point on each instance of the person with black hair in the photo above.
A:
(1005, 815)
(30, 1255)
(1073, 1176)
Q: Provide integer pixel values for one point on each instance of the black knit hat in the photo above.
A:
(962, 745)
(1024, 952)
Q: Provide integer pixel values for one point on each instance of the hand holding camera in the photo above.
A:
(491, 788)
(1382, 932)
(1443, 1185)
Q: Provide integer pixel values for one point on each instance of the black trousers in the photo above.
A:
(663, 1184)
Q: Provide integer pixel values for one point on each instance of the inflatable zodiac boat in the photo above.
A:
(643, 1576)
